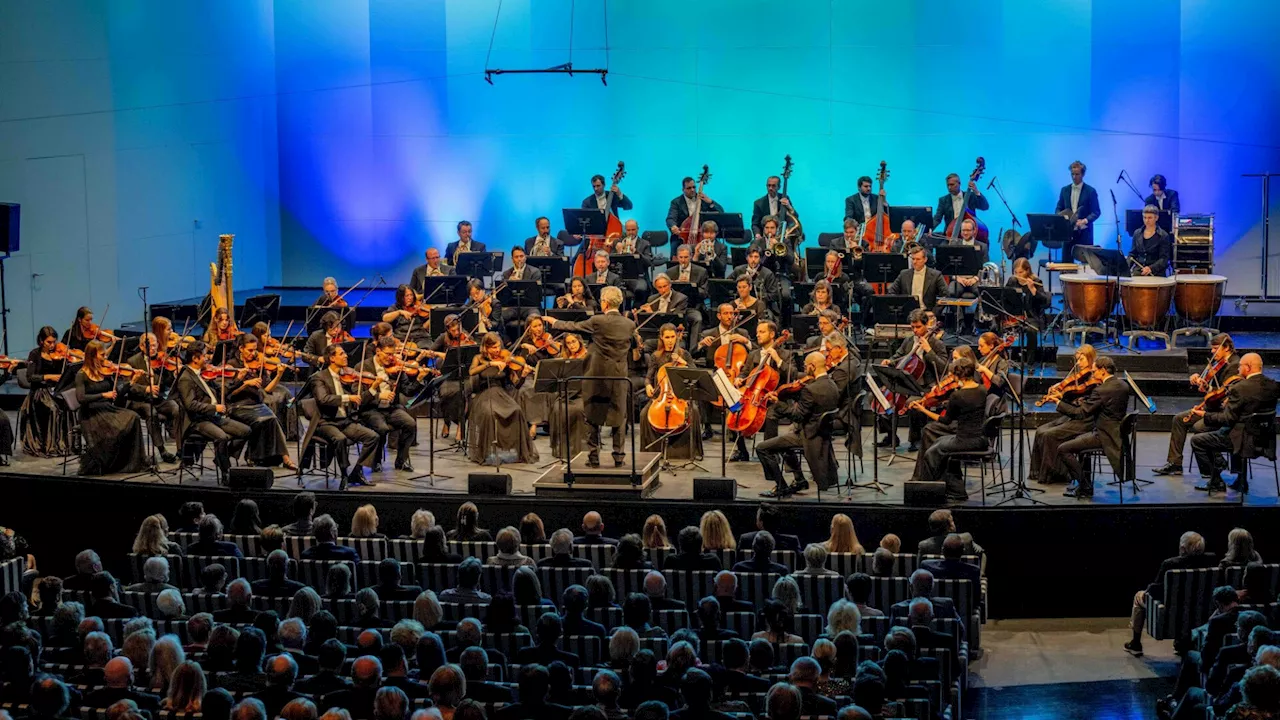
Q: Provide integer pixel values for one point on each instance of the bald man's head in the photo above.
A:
(592, 523)
(1250, 364)
(118, 673)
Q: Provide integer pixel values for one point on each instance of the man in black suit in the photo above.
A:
(1079, 203)
(655, 588)
(513, 316)
(920, 615)
(211, 542)
(920, 280)
(696, 689)
(544, 651)
(725, 592)
(1222, 350)
(106, 598)
(633, 243)
(464, 243)
(327, 679)
(574, 620)
(604, 402)
(326, 546)
(1162, 197)
(690, 555)
(1256, 393)
(601, 273)
(293, 641)
(1236, 653)
(474, 661)
(366, 672)
(331, 332)
(711, 614)
(1150, 255)
(118, 677)
(773, 204)
(602, 199)
(808, 416)
(709, 250)
(805, 673)
(954, 202)
(432, 268)
(389, 586)
(282, 671)
(1191, 556)
(1195, 663)
(593, 531)
(951, 567)
(277, 582)
(764, 284)
(736, 678)
(561, 543)
(543, 244)
(204, 414)
(238, 610)
(941, 524)
(761, 561)
(768, 351)
(336, 424)
(769, 518)
(1105, 408)
(531, 688)
(862, 205)
(922, 587)
(471, 633)
(682, 206)
(397, 673)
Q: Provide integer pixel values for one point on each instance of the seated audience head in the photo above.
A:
(651, 710)
(1191, 543)
(953, 547)
(655, 584)
(690, 540)
(532, 684)
(474, 662)
(562, 542)
(525, 586)
(783, 702)
(532, 531)
(292, 634)
(655, 532)
(299, 709)
(548, 629)
(325, 529)
(282, 671)
(901, 638)
(239, 593)
(815, 558)
(427, 610)
(217, 703)
(366, 671)
(920, 611)
(726, 584)
(762, 546)
(469, 573)
(249, 709)
(169, 604)
(892, 543)
(883, 563)
(843, 616)
(922, 584)
(429, 653)
(600, 593)
(390, 703)
(716, 533)
(1260, 688)
(213, 578)
(709, 613)
(49, 697)
(592, 524)
(941, 522)
(448, 686)
(624, 643)
(805, 672)
(420, 523)
(606, 688)
(760, 655)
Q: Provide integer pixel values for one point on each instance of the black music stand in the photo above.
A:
(478, 264)
(555, 269)
(444, 290)
(627, 265)
(1103, 261)
(921, 215)
(883, 267)
(894, 310)
(552, 375)
(802, 293)
(584, 222)
(431, 393)
(815, 258)
(690, 291)
(1133, 221)
(691, 385)
(891, 379)
(722, 290)
(457, 363)
(260, 308)
(438, 314)
(729, 227)
(958, 261)
(520, 294)
(803, 327)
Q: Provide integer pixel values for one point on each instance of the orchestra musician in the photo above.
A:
(408, 321)
(966, 411)
(247, 393)
(220, 330)
(764, 283)
(571, 348)
(772, 205)
(579, 296)
(45, 431)
(821, 300)
(112, 434)
(149, 396)
(993, 367)
(601, 272)
(464, 243)
(1225, 429)
(487, 311)
(788, 265)
(920, 280)
(631, 243)
(512, 317)
(601, 199)
(907, 234)
(279, 399)
(1161, 196)
(712, 340)
(81, 332)
(1033, 299)
(862, 205)
(605, 401)
(1057, 431)
(1103, 409)
(684, 443)
(331, 333)
(839, 284)
(535, 345)
(433, 268)
(1222, 351)
(1079, 202)
(666, 300)
(543, 244)
(952, 205)
(686, 271)
(711, 251)
(1152, 248)
(329, 295)
(745, 302)
(770, 351)
(814, 400)
(844, 365)
(682, 206)
(337, 424)
(924, 343)
(828, 324)
(162, 327)
(204, 413)
(385, 413)
(966, 286)
(452, 398)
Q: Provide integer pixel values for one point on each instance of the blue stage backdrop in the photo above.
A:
(388, 134)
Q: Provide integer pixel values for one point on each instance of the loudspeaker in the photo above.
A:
(712, 487)
(489, 484)
(250, 478)
(924, 494)
(9, 216)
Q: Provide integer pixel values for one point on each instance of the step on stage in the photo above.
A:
(605, 481)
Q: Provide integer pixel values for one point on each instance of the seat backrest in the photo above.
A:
(991, 426)
(21, 376)
(368, 548)
(1188, 599)
(1262, 427)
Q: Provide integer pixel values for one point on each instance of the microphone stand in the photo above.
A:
(1124, 176)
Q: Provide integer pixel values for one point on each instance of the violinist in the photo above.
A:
(162, 328)
(112, 434)
(44, 429)
(1065, 427)
(763, 282)
(817, 397)
(410, 319)
(927, 346)
(1224, 363)
(993, 366)
(1152, 247)
(204, 413)
(572, 347)
(279, 398)
(386, 414)
(221, 329)
(769, 351)
(247, 396)
(720, 336)
(579, 297)
(543, 244)
(843, 361)
(451, 397)
(683, 441)
(1226, 430)
(496, 426)
(331, 298)
(535, 345)
(83, 330)
(464, 243)
(920, 281)
(433, 268)
(149, 396)
(487, 310)
(338, 405)
(1102, 409)
(961, 431)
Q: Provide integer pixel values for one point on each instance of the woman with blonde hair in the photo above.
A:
(843, 538)
(152, 538)
(843, 616)
(1240, 550)
(716, 533)
(655, 533)
(186, 688)
(364, 524)
(428, 612)
(420, 523)
(166, 655)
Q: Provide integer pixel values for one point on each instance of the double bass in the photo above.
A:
(980, 229)
(755, 391)
(668, 413)
(690, 229)
(876, 233)
(612, 228)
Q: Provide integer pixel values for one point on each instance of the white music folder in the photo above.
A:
(730, 394)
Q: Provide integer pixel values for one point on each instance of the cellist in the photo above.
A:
(768, 352)
(719, 337)
(928, 347)
(682, 441)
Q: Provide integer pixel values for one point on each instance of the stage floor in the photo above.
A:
(452, 468)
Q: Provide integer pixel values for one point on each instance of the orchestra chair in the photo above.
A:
(1093, 460)
(846, 421)
(192, 445)
(824, 239)
(984, 458)
(1260, 428)
(309, 409)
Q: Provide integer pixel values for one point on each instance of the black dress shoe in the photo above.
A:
(593, 461)
(1168, 469)
(913, 447)
(707, 434)
(406, 466)
(800, 485)
(356, 478)
(886, 441)
(1241, 486)
(1214, 485)
(773, 493)
(1073, 492)
(740, 457)
(168, 457)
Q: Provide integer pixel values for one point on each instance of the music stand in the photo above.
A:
(722, 290)
(802, 293)
(883, 267)
(692, 385)
(803, 327)
(1053, 231)
(815, 258)
(1133, 221)
(457, 362)
(1102, 260)
(689, 290)
(478, 264)
(584, 222)
(879, 405)
(921, 215)
(554, 268)
(431, 391)
(444, 290)
(728, 227)
(738, 255)
(520, 294)
(893, 310)
(897, 381)
(438, 314)
(627, 265)
(259, 308)
(958, 261)
(553, 375)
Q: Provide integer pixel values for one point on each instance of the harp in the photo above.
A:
(221, 293)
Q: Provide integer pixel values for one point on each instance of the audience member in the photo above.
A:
(366, 673)
(396, 673)
(326, 547)
(508, 545)
(761, 561)
(327, 679)
(593, 531)
(211, 542)
(527, 588)
(710, 620)
(655, 533)
(690, 556)
(1191, 555)
(213, 579)
(474, 662)
(769, 518)
(815, 561)
(951, 566)
(777, 622)
(532, 686)
(468, 588)
(941, 524)
(857, 590)
(238, 611)
(338, 582)
(118, 677)
(726, 593)
(364, 523)
(421, 521)
(883, 563)
(532, 531)
(245, 520)
(624, 643)
(282, 672)
(189, 514)
(655, 588)
(389, 585)
(544, 651)
(716, 533)
(630, 554)
(637, 612)
(892, 543)
(304, 510)
(152, 539)
(642, 684)
(468, 529)
(562, 551)
(805, 673)
(88, 564)
(1240, 550)
(277, 582)
(574, 620)
(783, 702)
(697, 690)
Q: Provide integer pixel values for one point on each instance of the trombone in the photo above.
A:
(788, 233)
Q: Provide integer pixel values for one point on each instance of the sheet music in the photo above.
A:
(732, 398)
(1151, 404)
(878, 393)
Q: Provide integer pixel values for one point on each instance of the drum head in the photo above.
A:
(1082, 279)
(1144, 281)
(1193, 279)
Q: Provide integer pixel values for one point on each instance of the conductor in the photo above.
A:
(604, 401)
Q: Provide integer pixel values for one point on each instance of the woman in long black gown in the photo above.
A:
(452, 401)
(41, 423)
(496, 424)
(535, 345)
(246, 402)
(277, 396)
(686, 444)
(571, 348)
(112, 434)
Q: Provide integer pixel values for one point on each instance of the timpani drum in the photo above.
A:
(1089, 297)
(1146, 299)
(1198, 297)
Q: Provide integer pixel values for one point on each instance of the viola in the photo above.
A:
(7, 363)
(791, 387)
(668, 413)
(266, 363)
(1213, 398)
(754, 404)
(62, 352)
(1211, 370)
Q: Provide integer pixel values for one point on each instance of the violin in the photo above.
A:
(513, 362)
(546, 342)
(1074, 385)
(164, 362)
(1213, 398)
(7, 363)
(118, 369)
(62, 352)
(464, 338)
(790, 387)
(265, 363)
(349, 376)
(214, 372)
(836, 356)
(1211, 370)
(989, 360)
(175, 341)
(937, 395)
(95, 332)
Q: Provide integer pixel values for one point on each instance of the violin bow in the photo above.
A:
(403, 346)
(353, 287)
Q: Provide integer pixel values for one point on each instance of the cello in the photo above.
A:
(877, 231)
(667, 413)
(980, 229)
(755, 404)
(612, 228)
(913, 364)
(691, 227)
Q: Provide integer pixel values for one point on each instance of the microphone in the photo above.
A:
(993, 181)
(1121, 176)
